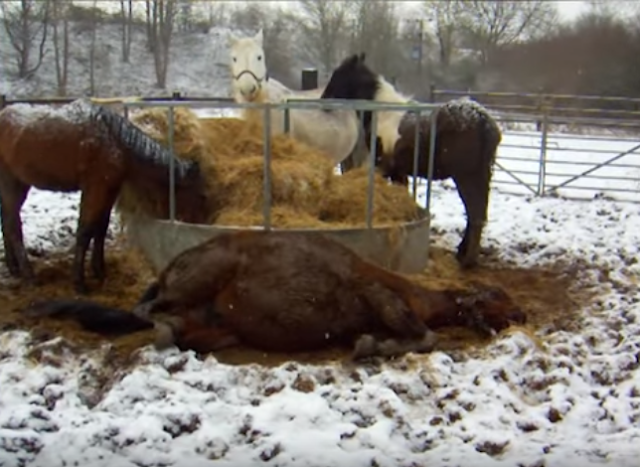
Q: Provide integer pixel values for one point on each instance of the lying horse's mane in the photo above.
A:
(140, 145)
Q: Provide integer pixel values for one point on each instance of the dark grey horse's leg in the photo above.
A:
(474, 193)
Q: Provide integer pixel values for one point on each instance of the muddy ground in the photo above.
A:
(550, 296)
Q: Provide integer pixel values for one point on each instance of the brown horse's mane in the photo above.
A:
(139, 145)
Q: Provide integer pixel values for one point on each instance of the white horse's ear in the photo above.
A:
(232, 39)
(259, 37)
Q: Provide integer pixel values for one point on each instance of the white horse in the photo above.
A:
(335, 132)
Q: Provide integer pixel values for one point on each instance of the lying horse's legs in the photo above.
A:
(13, 194)
(474, 192)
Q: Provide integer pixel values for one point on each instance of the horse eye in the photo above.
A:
(259, 57)
(234, 59)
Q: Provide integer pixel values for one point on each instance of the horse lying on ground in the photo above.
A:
(90, 148)
(335, 132)
(467, 138)
(288, 291)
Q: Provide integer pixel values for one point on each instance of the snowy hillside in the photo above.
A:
(198, 66)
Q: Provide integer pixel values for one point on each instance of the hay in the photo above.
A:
(346, 200)
(188, 140)
(305, 191)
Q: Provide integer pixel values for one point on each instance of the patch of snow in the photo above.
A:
(575, 400)
(78, 111)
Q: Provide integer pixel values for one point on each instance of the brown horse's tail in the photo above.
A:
(91, 316)
(95, 317)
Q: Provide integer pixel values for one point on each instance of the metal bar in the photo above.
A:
(543, 154)
(172, 171)
(601, 188)
(416, 155)
(433, 127)
(266, 207)
(372, 168)
(598, 166)
(309, 104)
(516, 178)
(287, 121)
(590, 164)
(535, 95)
(601, 177)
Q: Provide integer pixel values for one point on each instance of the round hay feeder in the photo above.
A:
(400, 248)
(397, 239)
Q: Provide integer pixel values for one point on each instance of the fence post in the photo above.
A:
(542, 170)
(309, 79)
(432, 93)
(3, 101)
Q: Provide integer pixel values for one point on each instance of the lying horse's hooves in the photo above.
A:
(165, 336)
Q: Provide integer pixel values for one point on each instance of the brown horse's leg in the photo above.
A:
(13, 194)
(474, 193)
(95, 206)
(97, 254)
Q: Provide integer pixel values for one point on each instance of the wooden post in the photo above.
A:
(309, 79)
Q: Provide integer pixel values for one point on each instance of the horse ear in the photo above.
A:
(361, 57)
(259, 37)
(232, 39)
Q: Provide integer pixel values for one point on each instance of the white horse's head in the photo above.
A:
(248, 67)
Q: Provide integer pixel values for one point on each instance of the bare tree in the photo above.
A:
(446, 19)
(493, 24)
(184, 15)
(60, 23)
(26, 21)
(92, 47)
(374, 27)
(126, 18)
(160, 20)
(325, 24)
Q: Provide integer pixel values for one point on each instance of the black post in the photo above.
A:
(309, 79)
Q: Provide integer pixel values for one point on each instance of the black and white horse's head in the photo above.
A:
(352, 79)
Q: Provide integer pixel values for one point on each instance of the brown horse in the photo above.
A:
(467, 138)
(288, 291)
(83, 147)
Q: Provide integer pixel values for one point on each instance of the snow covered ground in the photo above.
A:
(574, 401)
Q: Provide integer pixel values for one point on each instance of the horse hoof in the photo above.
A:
(81, 289)
(467, 263)
(165, 336)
